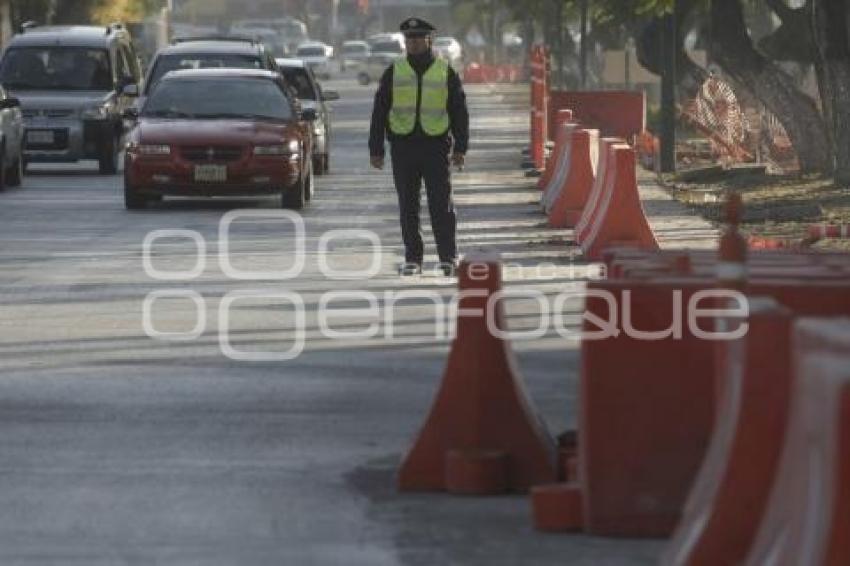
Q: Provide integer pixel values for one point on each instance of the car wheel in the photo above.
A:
(326, 163)
(295, 196)
(108, 161)
(310, 186)
(132, 199)
(2, 168)
(318, 165)
(15, 173)
(363, 79)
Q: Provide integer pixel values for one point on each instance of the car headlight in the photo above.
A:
(96, 113)
(153, 149)
(291, 148)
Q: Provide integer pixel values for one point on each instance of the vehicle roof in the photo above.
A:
(446, 38)
(221, 73)
(70, 36)
(212, 46)
(312, 44)
(286, 63)
(356, 42)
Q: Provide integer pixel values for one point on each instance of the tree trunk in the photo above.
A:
(732, 49)
(689, 75)
(831, 23)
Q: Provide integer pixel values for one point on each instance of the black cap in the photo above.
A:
(416, 27)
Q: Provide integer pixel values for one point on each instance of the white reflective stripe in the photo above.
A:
(731, 271)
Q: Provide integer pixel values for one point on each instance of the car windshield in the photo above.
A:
(354, 48)
(166, 63)
(443, 42)
(387, 47)
(218, 98)
(311, 51)
(56, 68)
(298, 79)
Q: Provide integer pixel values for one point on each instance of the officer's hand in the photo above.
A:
(377, 161)
(458, 160)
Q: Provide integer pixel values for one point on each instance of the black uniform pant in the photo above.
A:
(415, 160)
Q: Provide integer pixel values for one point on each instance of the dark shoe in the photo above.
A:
(408, 269)
(449, 268)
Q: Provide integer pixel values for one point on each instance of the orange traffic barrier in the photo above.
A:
(552, 164)
(647, 406)
(573, 194)
(619, 218)
(556, 507)
(619, 114)
(808, 513)
(561, 168)
(729, 496)
(588, 215)
(481, 418)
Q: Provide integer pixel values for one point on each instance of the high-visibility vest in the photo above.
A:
(433, 116)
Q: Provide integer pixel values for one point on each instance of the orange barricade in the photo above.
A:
(564, 117)
(588, 215)
(808, 513)
(482, 435)
(614, 113)
(647, 406)
(619, 218)
(573, 194)
(727, 501)
(562, 169)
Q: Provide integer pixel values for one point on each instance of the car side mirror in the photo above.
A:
(130, 114)
(131, 89)
(330, 95)
(309, 115)
(10, 102)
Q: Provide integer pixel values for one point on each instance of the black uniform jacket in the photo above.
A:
(458, 113)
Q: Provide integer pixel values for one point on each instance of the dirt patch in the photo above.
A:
(780, 207)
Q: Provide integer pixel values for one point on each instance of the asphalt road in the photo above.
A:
(184, 437)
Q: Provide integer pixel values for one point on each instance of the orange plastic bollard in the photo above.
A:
(475, 472)
(730, 494)
(588, 215)
(619, 219)
(575, 191)
(564, 117)
(809, 509)
(557, 507)
(560, 174)
(481, 405)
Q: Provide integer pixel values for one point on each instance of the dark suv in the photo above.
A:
(209, 53)
(74, 83)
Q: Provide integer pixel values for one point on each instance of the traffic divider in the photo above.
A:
(619, 218)
(561, 139)
(561, 170)
(574, 192)
(808, 512)
(728, 498)
(588, 215)
(482, 434)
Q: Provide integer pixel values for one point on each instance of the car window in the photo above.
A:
(299, 81)
(215, 97)
(175, 62)
(354, 48)
(56, 68)
(311, 51)
(387, 47)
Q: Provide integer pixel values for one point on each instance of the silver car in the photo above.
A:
(74, 82)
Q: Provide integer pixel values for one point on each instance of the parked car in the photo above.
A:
(291, 32)
(383, 53)
(73, 83)
(449, 49)
(353, 54)
(311, 95)
(317, 56)
(211, 52)
(219, 132)
(11, 141)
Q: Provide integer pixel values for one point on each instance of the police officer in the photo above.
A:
(421, 107)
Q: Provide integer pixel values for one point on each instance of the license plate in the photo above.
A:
(211, 173)
(41, 137)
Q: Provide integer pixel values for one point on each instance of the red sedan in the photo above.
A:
(219, 132)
